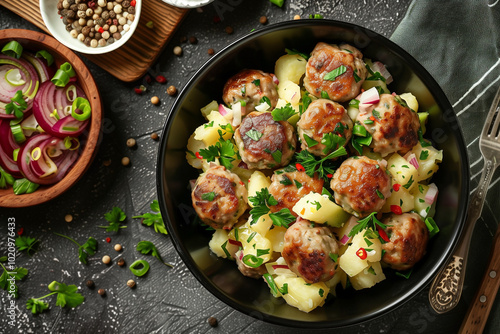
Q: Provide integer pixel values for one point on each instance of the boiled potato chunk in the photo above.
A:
(351, 263)
(277, 237)
(262, 225)
(320, 209)
(352, 112)
(295, 118)
(402, 171)
(421, 206)
(305, 297)
(368, 277)
(252, 242)
(290, 68)
(367, 84)
(194, 146)
(206, 110)
(257, 182)
(209, 132)
(219, 238)
(345, 229)
(428, 158)
(289, 91)
(410, 100)
(402, 198)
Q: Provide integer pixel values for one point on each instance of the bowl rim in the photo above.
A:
(64, 37)
(42, 195)
(437, 93)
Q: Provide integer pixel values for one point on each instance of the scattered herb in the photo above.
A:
(223, 149)
(295, 52)
(405, 274)
(252, 261)
(409, 183)
(114, 217)
(147, 247)
(67, 296)
(334, 257)
(24, 186)
(306, 100)
(369, 222)
(285, 180)
(210, 196)
(317, 204)
(84, 251)
(332, 141)
(379, 194)
(17, 105)
(309, 141)
(424, 155)
(139, 267)
(311, 165)
(261, 202)
(274, 288)
(283, 113)
(432, 226)
(371, 271)
(154, 218)
(9, 278)
(256, 82)
(278, 3)
(24, 243)
(254, 134)
(423, 142)
(331, 76)
(297, 184)
(5, 178)
(354, 103)
(324, 95)
(315, 16)
(265, 99)
(321, 292)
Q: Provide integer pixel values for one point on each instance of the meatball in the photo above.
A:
(408, 236)
(361, 186)
(321, 118)
(326, 58)
(395, 127)
(249, 271)
(250, 86)
(265, 143)
(307, 250)
(219, 197)
(289, 187)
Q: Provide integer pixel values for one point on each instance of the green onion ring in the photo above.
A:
(83, 105)
(13, 49)
(45, 55)
(139, 267)
(272, 284)
(17, 133)
(15, 153)
(252, 261)
(63, 74)
(71, 89)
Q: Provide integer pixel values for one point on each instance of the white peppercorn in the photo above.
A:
(102, 3)
(90, 23)
(118, 15)
(122, 21)
(95, 17)
(73, 33)
(117, 9)
(177, 51)
(65, 4)
(118, 1)
(105, 27)
(81, 37)
(106, 259)
(131, 16)
(93, 43)
(98, 10)
(82, 21)
(120, 29)
(81, 14)
(102, 42)
(112, 29)
(105, 34)
(89, 12)
(109, 5)
(126, 27)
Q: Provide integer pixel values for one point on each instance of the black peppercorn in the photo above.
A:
(213, 322)
(90, 284)
(126, 4)
(101, 292)
(69, 27)
(131, 10)
(70, 14)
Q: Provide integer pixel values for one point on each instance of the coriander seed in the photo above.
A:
(296, 17)
(68, 218)
(131, 283)
(171, 90)
(193, 40)
(154, 136)
(211, 51)
(106, 259)
(101, 292)
(177, 51)
(90, 284)
(155, 100)
(118, 247)
(131, 142)
(263, 20)
(125, 161)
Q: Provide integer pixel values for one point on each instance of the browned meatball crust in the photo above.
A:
(250, 86)
(323, 117)
(408, 236)
(264, 143)
(289, 187)
(307, 250)
(219, 197)
(361, 186)
(395, 128)
(326, 58)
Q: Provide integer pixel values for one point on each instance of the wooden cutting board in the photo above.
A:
(131, 61)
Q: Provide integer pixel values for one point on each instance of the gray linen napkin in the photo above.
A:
(458, 43)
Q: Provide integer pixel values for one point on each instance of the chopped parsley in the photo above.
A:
(254, 134)
(115, 217)
(283, 113)
(295, 52)
(306, 100)
(223, 149)
(424, 155)
(265, 99)
(331, 76)
(334, 257)
(256, 82)
(317, 205)
(309, 141)
(332, 141)
(312, 165)
(297, 184)
(285, 180)
(369, 222)
(324, 95)
(154, 218)
(409, 183)
(210, 196)
(261, 202)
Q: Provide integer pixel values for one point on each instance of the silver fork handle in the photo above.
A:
(446, 288)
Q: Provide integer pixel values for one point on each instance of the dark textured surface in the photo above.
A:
(171, 300)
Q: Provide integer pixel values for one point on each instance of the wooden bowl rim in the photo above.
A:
(87, 83)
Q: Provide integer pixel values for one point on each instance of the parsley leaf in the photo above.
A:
(17, 105)
(424, 155)
(36, 305)
(306, 100)
(282, 218)
(332, 142)
(331, 76)
(311, 165)
(310, 141)
(67, 296)
(256, 82)
(261, 202)
(210, 196)
(84, 251)
(5, 178)
(254, 134)
(369, 222)
(114, 217)
(9, 278)
(223, 149)
(283, 113)
(154, 218)
(26, 243)
(147, 247)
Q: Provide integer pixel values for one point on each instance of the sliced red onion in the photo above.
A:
(242, 165)
(275, 79)
(412, 159)
(222, 110)
(431, 195)
(44, 71)
(370, 96)
(7, 147)
(50, 109)
(236, 114)
(280, 266)
(383, 163)
(234, 242)
(344, 239)
(379, 67)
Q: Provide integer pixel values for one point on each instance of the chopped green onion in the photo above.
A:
(83, 105)
(380, 195)
(6, 178)
(45, 55)
(359, 130)
(261, 252)
(24, 186)
(278, 3)
(331, 76)
(17, 133)
(15, 153)
(254, 134)
(315, 16)
(405, 274)
(309, 141)
(274, 288)
(63, 74)
(324, 95)
(224, 248)
(432, 226)
(210, 196)
(252, 261)
(13, 49)
(71, 89)
(354, 103)
(17, 105)
(266, 100)
(139, 267)
(251, 237)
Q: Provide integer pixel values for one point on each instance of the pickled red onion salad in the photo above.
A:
(316, 177)
(43, 114)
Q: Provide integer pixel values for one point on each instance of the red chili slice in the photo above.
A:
(361, 253)
(20, 231)
(396, 187)
(382, 234)
(329, 176)
(299, 167)
(198, 155)
(396, 209)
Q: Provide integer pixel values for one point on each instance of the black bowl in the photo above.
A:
(260, 50)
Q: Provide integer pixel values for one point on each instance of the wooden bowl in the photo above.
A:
(34, 41)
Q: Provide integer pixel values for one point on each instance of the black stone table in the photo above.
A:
(171, 300)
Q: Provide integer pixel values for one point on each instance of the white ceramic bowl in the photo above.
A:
(188, 3)
(53, 22)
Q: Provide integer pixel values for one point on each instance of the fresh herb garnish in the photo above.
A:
(24, 243)
(223, 149)
(285, 180)
(405, 274)
(283, 113)
(306, 100)
(210, 196)
(17, 105)
(274, 288)
(324, 95)
(361, 137)
(278, 3)
(331, 76)
(311, 165)
(24, 186)
(309, 141)
(254, 134)
(354, 103)
(84, 251)
(256, 82)
(297, 184)
(209, 125)
(332, 141)
(423, 142)
(265, 99)
(424, 155)
(67, 296)
(261, 203)
(334, 256)
(369, 222)
(431, 226)
(147, 247)
(8, 278)
(154, 218)
(321, 292)
(379, 194)
(295, 52)
(277, 155)
(409, 183)
(5, 178)
(115, 218)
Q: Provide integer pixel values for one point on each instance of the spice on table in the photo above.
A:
(161, 79)
(212, 321)
(171, 90)
(193, 40)
(131, 283)
(68, 218)
(90, 284)
(106, 259)
(107, 162)
(101, 292)
(139, 90)
(229, 30)
(177, 51)
(155, 100)
(108, 240)
(150, 25)
(183, 39)
(131, 142)
(120, 262)
(210, 51)
(118, 247)
(125, 161)
(296, 17)
(263, 19)
(154, 136)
